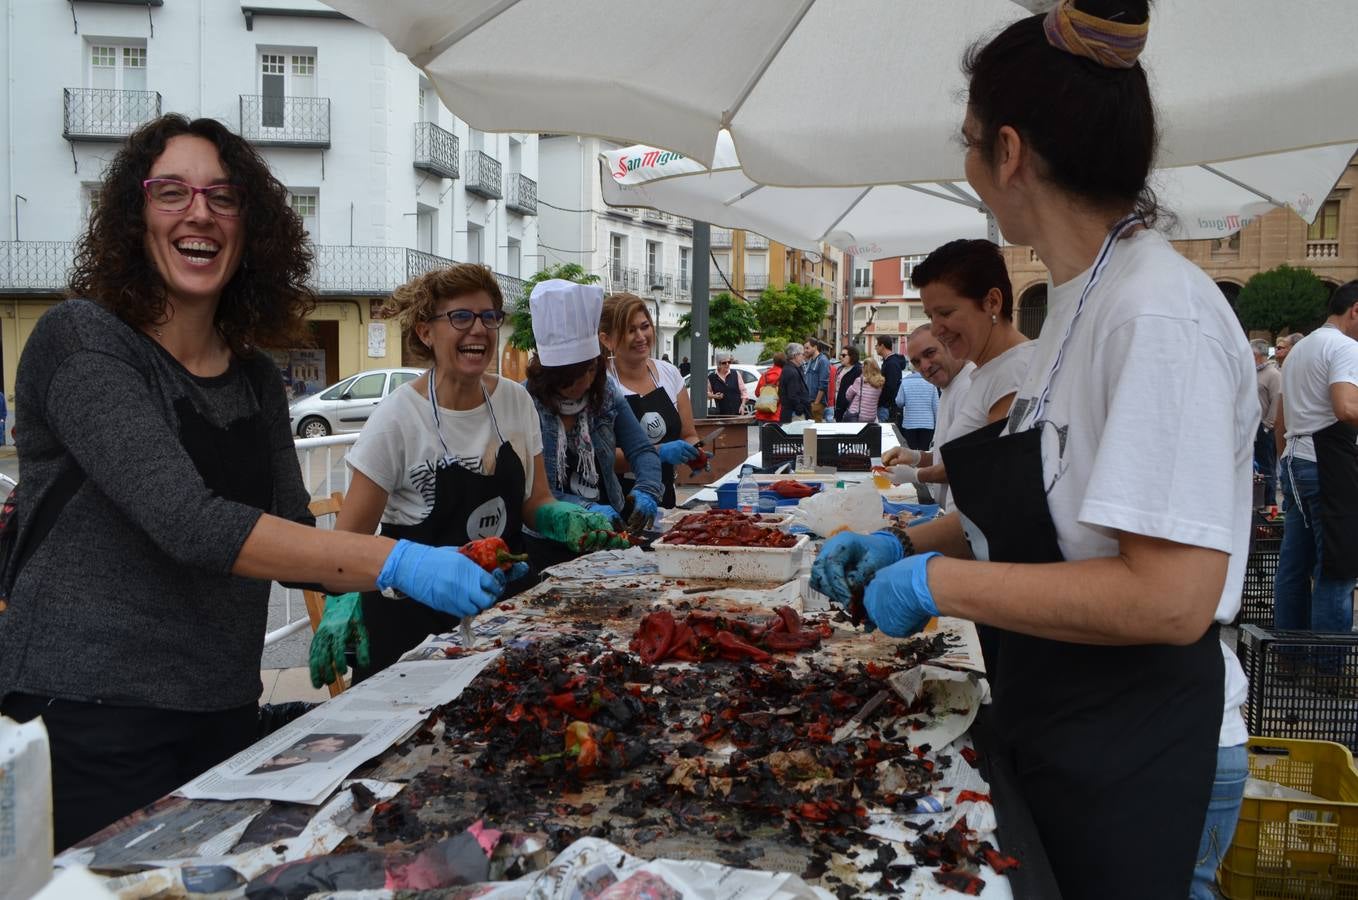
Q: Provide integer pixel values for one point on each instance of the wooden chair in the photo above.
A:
(315, 600)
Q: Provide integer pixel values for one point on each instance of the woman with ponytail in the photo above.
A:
(1103, 525)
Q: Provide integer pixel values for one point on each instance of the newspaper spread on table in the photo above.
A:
(305, 761)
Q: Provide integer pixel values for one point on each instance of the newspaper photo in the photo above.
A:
(305, 761)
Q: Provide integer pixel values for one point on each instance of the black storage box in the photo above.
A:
(1256, 594)
(1303, 684)
(849, 452)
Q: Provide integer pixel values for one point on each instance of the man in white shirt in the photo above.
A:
(1318, 563)
(1270, 386)
(952, 376)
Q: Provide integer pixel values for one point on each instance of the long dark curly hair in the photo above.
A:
(265, 303)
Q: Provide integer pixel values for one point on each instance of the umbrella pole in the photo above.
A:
(702, 253)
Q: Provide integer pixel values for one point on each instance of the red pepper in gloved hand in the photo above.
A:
(491, 553)
(702, 462)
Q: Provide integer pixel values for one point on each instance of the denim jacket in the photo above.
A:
(615, 426)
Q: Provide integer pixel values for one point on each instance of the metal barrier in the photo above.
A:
(318, 459)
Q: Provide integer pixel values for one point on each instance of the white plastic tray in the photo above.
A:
(731, 563)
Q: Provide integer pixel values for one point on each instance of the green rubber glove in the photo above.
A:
(576, 527)
(341, 624)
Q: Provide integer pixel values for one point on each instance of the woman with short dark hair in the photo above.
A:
(1115, 702)
(161, 492)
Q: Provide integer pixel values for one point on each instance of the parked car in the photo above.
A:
(749, 375)
(346, 406)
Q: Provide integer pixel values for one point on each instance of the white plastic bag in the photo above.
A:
(25, 809)
(857, 507)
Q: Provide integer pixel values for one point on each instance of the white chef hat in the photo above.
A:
(566, 321)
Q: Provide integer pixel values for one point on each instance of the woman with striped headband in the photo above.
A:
(1102, 529)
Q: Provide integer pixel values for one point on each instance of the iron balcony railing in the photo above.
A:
(100, 114)
(755, 241)
(623, 278)
(756, 281)
(41, 267)
(721, 237)
(658, 280)
(435, 150)
(273, 121)
(483, 175)
(522, 195)
(862, 290)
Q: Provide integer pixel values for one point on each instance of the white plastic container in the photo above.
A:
(779, 564)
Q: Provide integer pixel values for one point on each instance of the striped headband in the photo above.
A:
(1115, 45)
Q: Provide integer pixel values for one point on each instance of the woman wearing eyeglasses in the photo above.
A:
(161, 491)
(454, 456)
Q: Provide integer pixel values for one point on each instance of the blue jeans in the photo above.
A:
(1303, 597)
(1222, 812)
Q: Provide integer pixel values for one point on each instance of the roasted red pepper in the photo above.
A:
(491, 553)
(998, 861)
(654, 637)
(790, 488)
(733, 648)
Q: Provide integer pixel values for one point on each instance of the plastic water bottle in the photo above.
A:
(747, 494)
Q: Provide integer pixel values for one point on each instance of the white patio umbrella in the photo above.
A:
(836, 92)
(873, 222)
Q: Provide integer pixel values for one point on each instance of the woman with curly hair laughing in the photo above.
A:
(161, 492)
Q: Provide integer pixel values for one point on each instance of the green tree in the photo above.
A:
(521, 318)
(730, 322)
(788, 313)
(1282, 299)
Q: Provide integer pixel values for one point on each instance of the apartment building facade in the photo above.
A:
(387, 181)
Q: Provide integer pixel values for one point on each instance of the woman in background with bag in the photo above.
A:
(864, 393)
(766, 407)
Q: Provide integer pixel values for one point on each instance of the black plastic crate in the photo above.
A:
(1303, 684)
(849, 452)
(1256, 594)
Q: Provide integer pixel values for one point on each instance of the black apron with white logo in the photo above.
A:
(659, 418)
(1114, 748)
(467, 506)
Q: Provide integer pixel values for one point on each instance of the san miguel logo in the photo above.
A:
(645, 160)
(1230, 223)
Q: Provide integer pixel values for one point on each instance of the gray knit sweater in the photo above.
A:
(129, 599)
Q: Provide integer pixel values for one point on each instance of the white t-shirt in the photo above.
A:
(667, 375)
(990, 384)
(945, 428)
(1324, 357)
(1151, 419)
(399, 450)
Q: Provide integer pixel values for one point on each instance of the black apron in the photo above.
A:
(1337, 469)
(1114, 748)
(659, 418)
(235, 461)
(467, 506)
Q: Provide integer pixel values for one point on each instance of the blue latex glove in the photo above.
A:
(676, 452)
(603, 509)
(898, 600)
(440, 578)
(645, 506)
(849, 560)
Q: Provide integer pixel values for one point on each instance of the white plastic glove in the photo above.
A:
(898, 456)
(903, 474)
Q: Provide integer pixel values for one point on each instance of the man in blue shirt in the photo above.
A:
(918, 402)
(816, 371)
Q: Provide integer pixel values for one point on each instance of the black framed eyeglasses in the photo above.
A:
(173, 195)
(462, 319)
